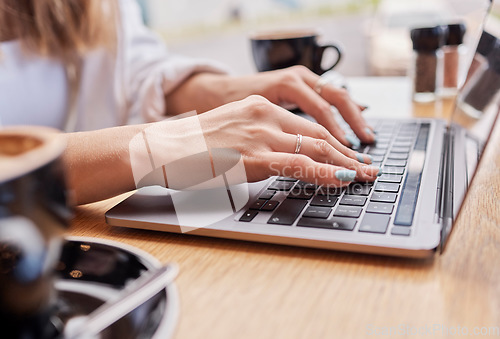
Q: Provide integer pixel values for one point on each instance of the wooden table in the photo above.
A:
(235, 289)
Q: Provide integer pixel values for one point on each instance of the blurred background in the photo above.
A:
(373, 34)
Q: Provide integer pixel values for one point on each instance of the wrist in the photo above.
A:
(201, 92)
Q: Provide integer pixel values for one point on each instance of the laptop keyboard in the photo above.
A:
(359, 207)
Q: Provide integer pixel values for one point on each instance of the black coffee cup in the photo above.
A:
(33, 215)
(277, 50)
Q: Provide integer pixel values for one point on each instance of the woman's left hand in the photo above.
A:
(298, 85)
(295, 85)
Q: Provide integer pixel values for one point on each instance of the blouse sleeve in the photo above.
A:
(149, 70)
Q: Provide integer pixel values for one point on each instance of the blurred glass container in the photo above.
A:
(427, 71)
(453, 54)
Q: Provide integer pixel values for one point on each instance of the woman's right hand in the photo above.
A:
(103, 163)
(266, 137)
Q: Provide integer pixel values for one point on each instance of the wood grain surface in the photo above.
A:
(236, 289)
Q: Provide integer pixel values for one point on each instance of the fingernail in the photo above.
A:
(370, 133)
(345, 175)
(364, 108)
(360, 158)
(370, 157)
(353, 140)
(379, 173)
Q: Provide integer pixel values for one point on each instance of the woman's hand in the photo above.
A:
(296, 85)
(266, 137)
(104, 163)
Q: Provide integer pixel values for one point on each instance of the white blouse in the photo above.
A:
(125, 88)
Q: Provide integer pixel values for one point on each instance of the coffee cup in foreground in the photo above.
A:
(277, 50)
(33, 214)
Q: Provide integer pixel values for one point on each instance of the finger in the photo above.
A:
(293, 124)
(302, 167)
(350, 111)
(311, 103)
(322, 152)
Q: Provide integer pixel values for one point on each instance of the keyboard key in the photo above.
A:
(383, 197)
(248, 216)
(377, 151)
(266, 195)
(396, 230)
(391, 178)
(395, 163)
(393, 170)
(376, 164)
(407, 133)
(403, 143)
(348, 211)
(325, 201)
(379, 144)
(306, 186)
(398, 156)
(344, 224)
(258, 204)
(404, 138)
(379, 207)
(383, 140)
(400, 149)
(327, 191)
(270, 205)
(286, 179)
(317, 212)
(358, 189)
(287, 212)
(374, 223)
(281, 185)
(386, 187)
(384, 135)
(409, 125)
(378, 158)
(300, 193)
(353, 200)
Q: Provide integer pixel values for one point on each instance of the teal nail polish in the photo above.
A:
(369, 156)
(379, 173)
(360, 158)
(368, 131)
(353, 140)
(345, 175)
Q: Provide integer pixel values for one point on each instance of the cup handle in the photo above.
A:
(322, 50)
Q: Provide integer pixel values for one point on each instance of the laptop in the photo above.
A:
(409, 211)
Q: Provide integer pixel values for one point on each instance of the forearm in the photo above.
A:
(205, 91)
(97, 163)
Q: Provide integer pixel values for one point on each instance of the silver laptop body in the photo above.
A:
(439, 168)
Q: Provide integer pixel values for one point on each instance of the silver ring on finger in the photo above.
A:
(318, 87)
(298, 145)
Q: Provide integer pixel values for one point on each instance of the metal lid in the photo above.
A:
(428, 39)
(456, 34)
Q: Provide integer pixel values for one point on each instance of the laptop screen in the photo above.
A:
(476, 110)
(477, 102)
